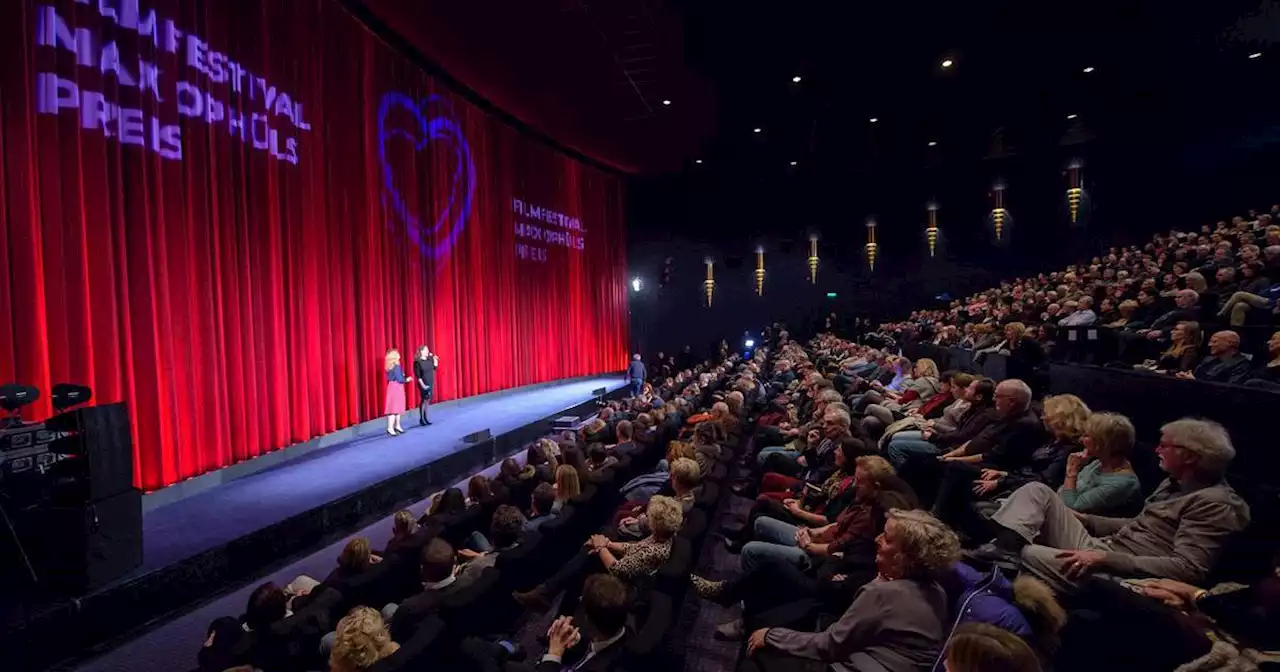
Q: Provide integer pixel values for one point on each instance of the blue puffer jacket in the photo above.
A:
(981, 598)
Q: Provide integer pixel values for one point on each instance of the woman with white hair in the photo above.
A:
(898, 622)
(632, 562)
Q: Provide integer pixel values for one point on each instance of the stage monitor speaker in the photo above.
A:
(566, 422)
(99, 439)
(78, 549)
(477, 437)
(600, 392)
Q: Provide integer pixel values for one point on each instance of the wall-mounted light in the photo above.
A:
(931, 228)
(872, 246)
(709, 285)
(813, 259)
(759, 271)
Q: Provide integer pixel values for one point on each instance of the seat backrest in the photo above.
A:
(416, 652)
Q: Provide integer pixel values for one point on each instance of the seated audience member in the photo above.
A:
(706, 450)
(1008, 442)
(1025, 606)
(446, 504)
(403, 526)
(978, 647)
(543, 463)
(638, 490)
(786, 562)
(362, 640)
(634, 563)
(1185, 309)
(441, 576)
(1066, 419)
(1107, 484)
(1078, 313)
(1268, 375)
(479, 490)
(504, 532)
(1127, 315)
(1178, 535)
(541, 507)
(567, 486)
(1183, 353)
(354, 560)
(520, 481)
(574, 457)
(685, 481)
(626, 438)
(1224, 364)
(928, 443)
(899, 620)
(818, 459)
(597, 644)
(916, 389)
(879, 417)
(599, 459)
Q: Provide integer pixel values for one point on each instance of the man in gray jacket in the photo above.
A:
(1178, 535)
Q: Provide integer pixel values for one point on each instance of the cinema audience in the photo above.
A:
(403, 525)
(1224, 364)
(566, 486)
(980, 395)
(897, 622)
(1099, 479)
(1177, 535)
(362, 640)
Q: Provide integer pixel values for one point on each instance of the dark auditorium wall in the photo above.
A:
(229, 236)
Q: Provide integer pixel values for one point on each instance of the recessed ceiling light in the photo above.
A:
(666, 102)
(946, 63)
(1072, 116)
(698, 161)
(1256, 54)
(933, 143)
(756, 129)
(874, 119)
(1088, 69)
(796, 79)
(793, 163)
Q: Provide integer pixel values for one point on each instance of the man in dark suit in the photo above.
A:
(440, 579)
(1224, 364)
(599, 645)
(626, 438)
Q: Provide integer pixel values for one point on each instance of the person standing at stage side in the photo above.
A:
(394, 405)
(636, 372)
(424, 367)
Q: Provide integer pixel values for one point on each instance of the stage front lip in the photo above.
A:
(158, 591)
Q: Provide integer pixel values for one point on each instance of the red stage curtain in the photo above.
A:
(238, 286)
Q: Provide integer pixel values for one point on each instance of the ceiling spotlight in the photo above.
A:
(1256, 54)
(933, 143)
(794, 162)
(796, 79)
(1072, 116)
(698, 161)
(1088, 69)
(757, 129)
(666, 102)
(874, 119)
(946, 63)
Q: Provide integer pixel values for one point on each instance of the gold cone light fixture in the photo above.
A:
(759, 271)
(931, 229)
(709, 285)
(1075, 192)
(998, 214)
(872, 247)
(813, 259)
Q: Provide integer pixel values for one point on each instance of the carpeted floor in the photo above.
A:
(702, 652)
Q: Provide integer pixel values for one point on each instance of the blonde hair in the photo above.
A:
(1066, 415)
(567, 483)
(1019, 329)
(362, 640)
(393, 358)
(355, 555)
(404, 522)
(686, 472)
(1111, 434)
(665, 516)
(679, 449)
(1196, 282)
(927, 367)
(927, 545)
(879, 468)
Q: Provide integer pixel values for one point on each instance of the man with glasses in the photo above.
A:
(1178, 534)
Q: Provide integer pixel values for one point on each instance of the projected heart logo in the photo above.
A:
(420, 129)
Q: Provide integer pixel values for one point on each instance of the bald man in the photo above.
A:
(1224, 364)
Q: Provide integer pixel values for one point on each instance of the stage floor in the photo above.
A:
(182, 529)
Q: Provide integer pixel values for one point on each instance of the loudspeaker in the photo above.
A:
(477, 437)
(99, 441)
(78, 549)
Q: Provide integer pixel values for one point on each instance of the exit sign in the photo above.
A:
(831, 295)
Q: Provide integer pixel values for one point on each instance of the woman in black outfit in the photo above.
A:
(424, 368)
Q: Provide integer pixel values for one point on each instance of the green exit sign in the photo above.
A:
(831, 295)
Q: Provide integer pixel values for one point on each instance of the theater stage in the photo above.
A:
(208, 535)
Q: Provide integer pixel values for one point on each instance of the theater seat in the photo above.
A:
(468, 611)
(645, 650)
(673, 577)
(708, 497)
